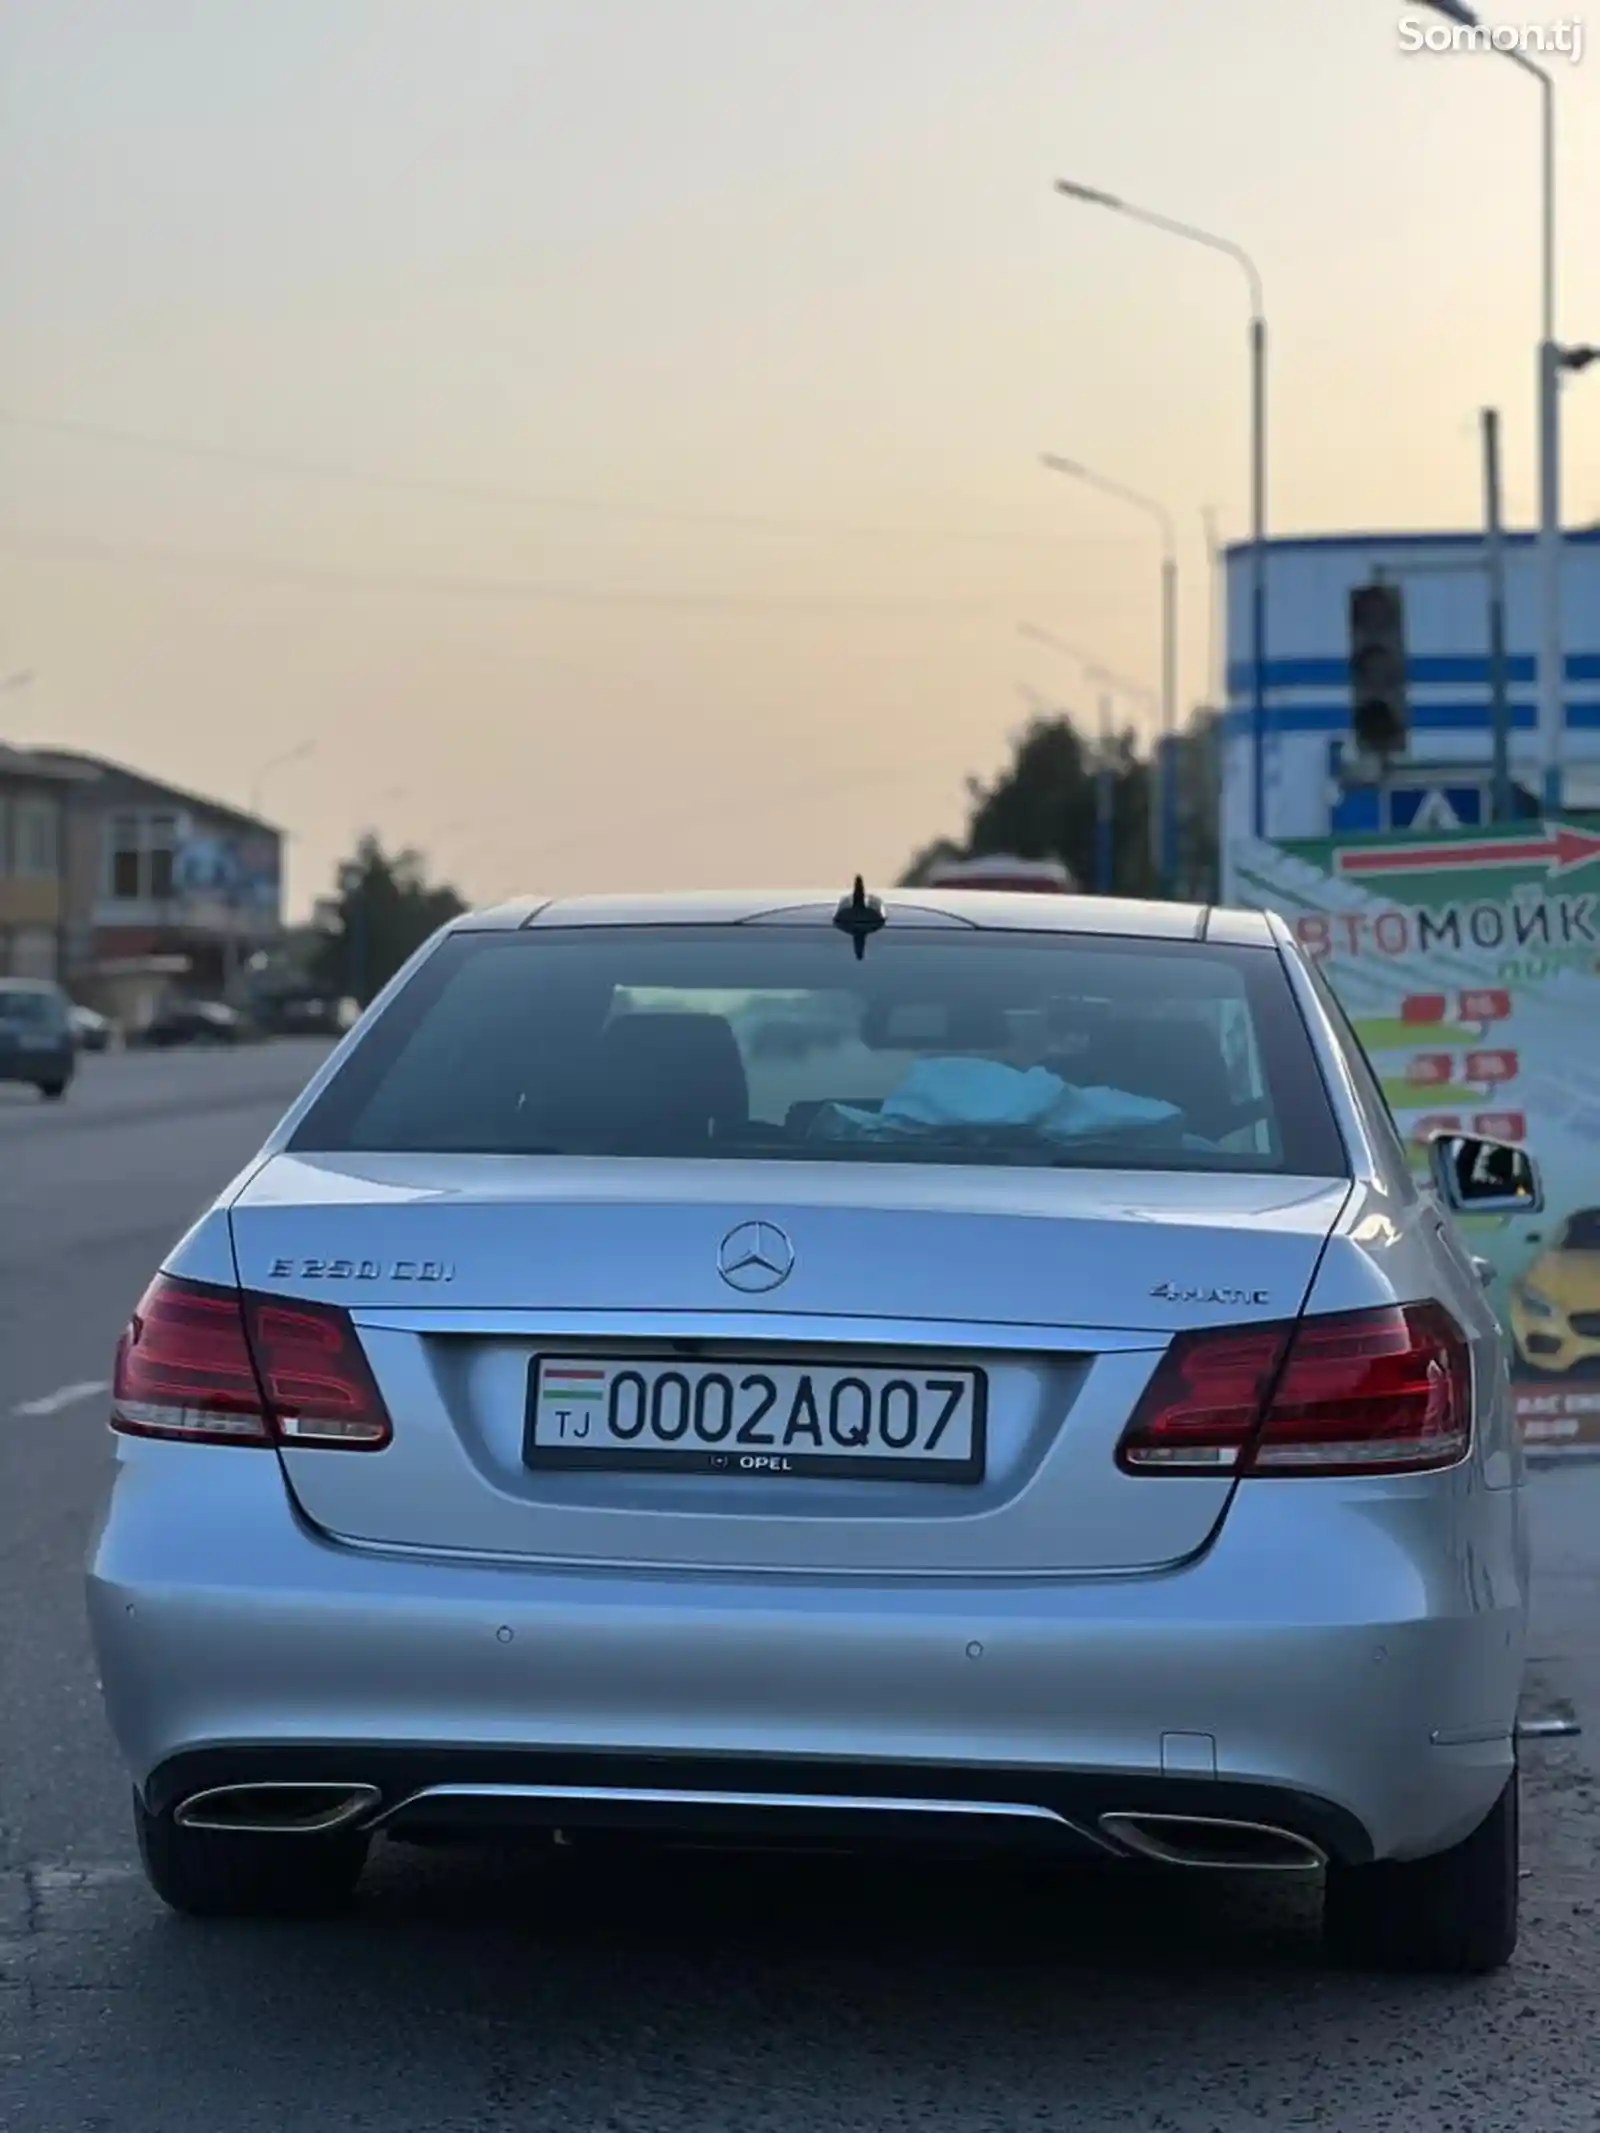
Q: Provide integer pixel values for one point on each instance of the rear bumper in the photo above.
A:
(59, 1063)
(1317, 1669)
(453, 1793)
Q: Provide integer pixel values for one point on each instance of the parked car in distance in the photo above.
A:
(913, 1442)
(36, 1040)
(91, 1032)
(1000, 870)
(1555, 1306)
(194, 1022)
(304, 1014)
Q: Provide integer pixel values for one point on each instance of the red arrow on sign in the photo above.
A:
(1557, 849)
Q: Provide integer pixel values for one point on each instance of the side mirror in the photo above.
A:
(1474, 1177)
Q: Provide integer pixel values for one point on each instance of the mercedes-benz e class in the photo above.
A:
(1031, 1404)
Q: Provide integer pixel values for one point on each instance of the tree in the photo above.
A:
(933, 855)
(1200, 805)
(386, 908)
(1042, 806)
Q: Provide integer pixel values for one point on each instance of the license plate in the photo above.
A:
(766, 1420)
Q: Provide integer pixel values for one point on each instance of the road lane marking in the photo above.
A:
(50, 1877)
(65, 1396)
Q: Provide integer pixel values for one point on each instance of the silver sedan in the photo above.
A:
(963, 1370)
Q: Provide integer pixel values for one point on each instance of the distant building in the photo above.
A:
(162, 889)
(1442, 777)
(34, 794)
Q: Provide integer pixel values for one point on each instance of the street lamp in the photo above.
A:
(1164, 816)
(1468, 18)
(296, 754)
(1169, 572)
(278, 762)
(1102, 755)
(1115, 684)
(14, 684)
(1094, 668)
(1553, 360)
(1092, 197)
(1216, 612)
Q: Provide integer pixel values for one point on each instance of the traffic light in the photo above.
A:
(1378, 669)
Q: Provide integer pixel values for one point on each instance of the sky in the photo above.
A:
(605, 433)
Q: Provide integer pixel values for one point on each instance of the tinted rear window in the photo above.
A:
(774, 1042)
(24, 1007)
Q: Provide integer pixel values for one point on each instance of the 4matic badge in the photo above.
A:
(1169, 1292)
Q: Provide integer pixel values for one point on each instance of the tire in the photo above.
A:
(207, 1873)
(52, 1091)
(1454, 1914)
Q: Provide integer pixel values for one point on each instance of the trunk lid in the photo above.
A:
(1062, 1288)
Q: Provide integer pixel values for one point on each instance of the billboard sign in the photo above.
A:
(1469, 965)
(235, 875)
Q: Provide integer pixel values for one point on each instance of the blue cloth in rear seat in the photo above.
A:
(978, 1093)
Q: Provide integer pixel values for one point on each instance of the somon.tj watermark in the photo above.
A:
(1533, 40)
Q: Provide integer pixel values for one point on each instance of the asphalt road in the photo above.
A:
(490, 1994)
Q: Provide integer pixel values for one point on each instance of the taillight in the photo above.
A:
(1359, 1392)
(318, 1384)
(222, 1366)
(183, 1369)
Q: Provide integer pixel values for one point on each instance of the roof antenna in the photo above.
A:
(859, 915)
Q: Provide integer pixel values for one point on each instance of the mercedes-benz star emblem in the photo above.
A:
(754, 1257)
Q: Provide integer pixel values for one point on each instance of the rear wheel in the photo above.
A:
(209, 1873)
(1454, 1913)
(52, 1091)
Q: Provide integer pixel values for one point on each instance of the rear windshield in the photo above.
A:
(25, 1007)
(775, 1042)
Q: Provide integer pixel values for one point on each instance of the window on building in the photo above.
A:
(124, 847)
(5, 839)
(139, 857)
(163, 839)
(35, 838)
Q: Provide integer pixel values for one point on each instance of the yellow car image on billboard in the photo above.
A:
(1555, 1306)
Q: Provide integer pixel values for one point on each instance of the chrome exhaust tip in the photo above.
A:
(1555, 1725)
(1214, 1841)
(295, 1809)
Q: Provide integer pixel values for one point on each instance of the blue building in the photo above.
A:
(1443, 778)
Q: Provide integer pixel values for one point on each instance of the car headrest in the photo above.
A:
(1175, 1060)
(677, 1076)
